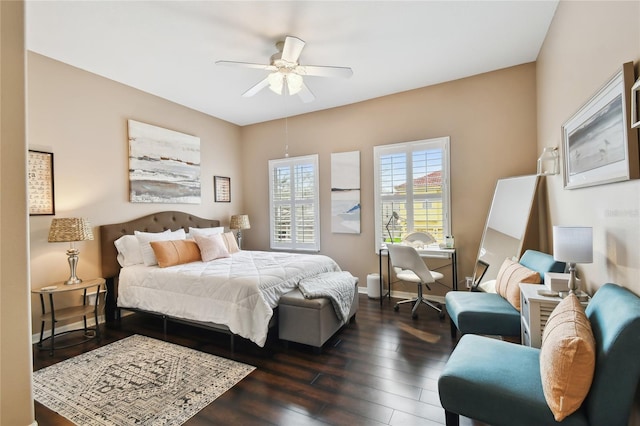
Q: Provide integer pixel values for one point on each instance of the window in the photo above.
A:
(294, 203)
(412, 180)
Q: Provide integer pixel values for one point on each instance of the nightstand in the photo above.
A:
(54, 315)
(534, 312)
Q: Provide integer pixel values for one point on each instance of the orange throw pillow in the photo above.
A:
(567, 358)
(175, 252)
(510, 276)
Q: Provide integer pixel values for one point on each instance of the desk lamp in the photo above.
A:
(394, 217)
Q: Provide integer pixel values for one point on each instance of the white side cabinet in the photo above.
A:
(534, 313)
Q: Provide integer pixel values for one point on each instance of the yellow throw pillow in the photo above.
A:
(175, 252)
(510, 276)
(567, 358)
(230, 242)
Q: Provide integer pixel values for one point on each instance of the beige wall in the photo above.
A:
(586, 44)
(491, 119)
(82, 119)
(16, 398)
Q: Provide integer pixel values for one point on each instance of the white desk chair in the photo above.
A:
(409, 266)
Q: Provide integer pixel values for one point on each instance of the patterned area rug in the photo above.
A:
(136, 381)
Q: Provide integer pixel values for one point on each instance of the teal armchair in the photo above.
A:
(499, 383)
(489, 313)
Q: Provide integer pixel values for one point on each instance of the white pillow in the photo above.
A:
(205, 231)
(145, 238)
(488, 286)
(128, 250)
(231, 243)
(212, 247)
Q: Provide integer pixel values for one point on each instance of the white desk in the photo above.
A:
(433, 252)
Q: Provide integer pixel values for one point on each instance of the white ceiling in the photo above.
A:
(169, 48)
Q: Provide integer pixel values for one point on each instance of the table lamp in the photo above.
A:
(70, 230)
(573, 244)
(394, 217)
(239, 222)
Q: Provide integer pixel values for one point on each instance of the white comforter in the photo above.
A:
(239, 292)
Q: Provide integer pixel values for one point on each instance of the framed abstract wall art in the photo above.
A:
(164, 165)
(599, 145)
(345, 192)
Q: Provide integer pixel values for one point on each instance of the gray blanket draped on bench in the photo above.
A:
(339, 287)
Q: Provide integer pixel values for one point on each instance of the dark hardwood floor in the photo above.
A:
(382, 369)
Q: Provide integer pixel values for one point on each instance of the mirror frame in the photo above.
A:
(481, 267)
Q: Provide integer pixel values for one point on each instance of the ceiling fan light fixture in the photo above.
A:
(276, 82)
(286, 73)
(294, 83)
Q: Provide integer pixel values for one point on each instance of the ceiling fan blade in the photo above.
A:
(256, 88)
(247, 65)
(292, 49)
(321, 71)
(305, 94)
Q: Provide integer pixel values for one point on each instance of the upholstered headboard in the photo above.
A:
(156, 222)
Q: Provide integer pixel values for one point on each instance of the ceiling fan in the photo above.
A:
(286, 73)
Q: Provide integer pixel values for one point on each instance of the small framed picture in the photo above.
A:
(222, 189)
(40, 178)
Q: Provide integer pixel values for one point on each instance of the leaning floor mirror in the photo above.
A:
(506, 227)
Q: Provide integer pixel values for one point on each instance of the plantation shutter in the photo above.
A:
(294, 203)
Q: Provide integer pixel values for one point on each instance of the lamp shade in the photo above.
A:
(69, 230)
(239, 221)
(573, 244)
(294, 83)
(278, 80)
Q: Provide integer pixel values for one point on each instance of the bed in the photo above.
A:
(237, 295)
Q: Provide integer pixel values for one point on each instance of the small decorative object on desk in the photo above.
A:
(449, 242)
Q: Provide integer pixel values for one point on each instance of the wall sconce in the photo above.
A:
(548, 161)
(635, 117)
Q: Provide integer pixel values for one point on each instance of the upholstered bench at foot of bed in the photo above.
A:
(309, 321)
